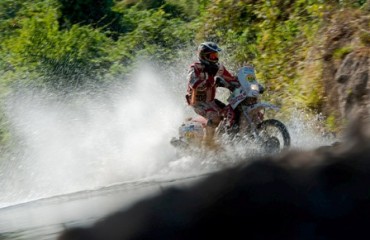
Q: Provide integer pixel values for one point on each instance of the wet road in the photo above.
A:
(44, 219)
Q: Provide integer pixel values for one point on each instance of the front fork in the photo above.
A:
(253, 117)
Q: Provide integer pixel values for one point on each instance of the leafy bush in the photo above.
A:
(70, 43)
(155, 37)
(365, 38)
(340, 53)
(62, 58)
(97, 14)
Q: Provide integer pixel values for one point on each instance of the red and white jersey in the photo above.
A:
(200, 80)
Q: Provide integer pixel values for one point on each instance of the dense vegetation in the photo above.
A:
(68, 44)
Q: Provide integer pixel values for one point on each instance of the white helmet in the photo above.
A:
(208, 53)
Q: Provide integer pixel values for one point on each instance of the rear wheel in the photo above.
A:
(274, 135)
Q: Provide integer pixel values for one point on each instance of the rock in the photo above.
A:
(354, 87)
(345, 62)
(319, 194)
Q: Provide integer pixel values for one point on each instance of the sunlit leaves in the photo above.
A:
(64, 57)
(155, 36)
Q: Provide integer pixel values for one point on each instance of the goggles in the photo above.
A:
(213, 56)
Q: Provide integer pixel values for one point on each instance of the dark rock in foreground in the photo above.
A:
(321, 194)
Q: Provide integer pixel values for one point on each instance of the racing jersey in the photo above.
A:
(201, 84)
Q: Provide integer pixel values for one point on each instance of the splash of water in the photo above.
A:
(85, 142)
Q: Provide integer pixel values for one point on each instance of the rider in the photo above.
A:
(203, 79)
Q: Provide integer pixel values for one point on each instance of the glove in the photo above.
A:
(220, 82)
(234, 85)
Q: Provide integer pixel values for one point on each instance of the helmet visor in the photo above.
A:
(213, 57)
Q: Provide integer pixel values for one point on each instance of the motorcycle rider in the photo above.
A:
(204, 77)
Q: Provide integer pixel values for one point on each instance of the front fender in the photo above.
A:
(268, 106)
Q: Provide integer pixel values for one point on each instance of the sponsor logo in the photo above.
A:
(189, 135)
(250, 77)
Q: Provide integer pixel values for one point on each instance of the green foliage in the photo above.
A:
(8, 11)
(155, 37)
(340, 53)
(188, 9)
(62, 58)
(70, 43)
(365, 38)
(9, 8)
(97, 14)
(13, 11)
(4, 131)
(351, 3)
(331, 123)
(274, 35)
(150, 4)
(173, 9)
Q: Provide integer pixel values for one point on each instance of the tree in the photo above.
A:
(96, 13)
(62, 59)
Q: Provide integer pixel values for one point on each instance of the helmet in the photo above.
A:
(208, 53)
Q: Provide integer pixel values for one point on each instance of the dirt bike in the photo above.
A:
(250, 126)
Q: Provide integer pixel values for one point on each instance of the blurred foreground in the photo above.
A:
(318, 194)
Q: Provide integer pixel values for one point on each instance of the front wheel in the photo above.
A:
(273, 135)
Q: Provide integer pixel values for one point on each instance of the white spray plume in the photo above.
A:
(87, 142)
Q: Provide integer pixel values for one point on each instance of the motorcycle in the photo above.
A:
(271, 135)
